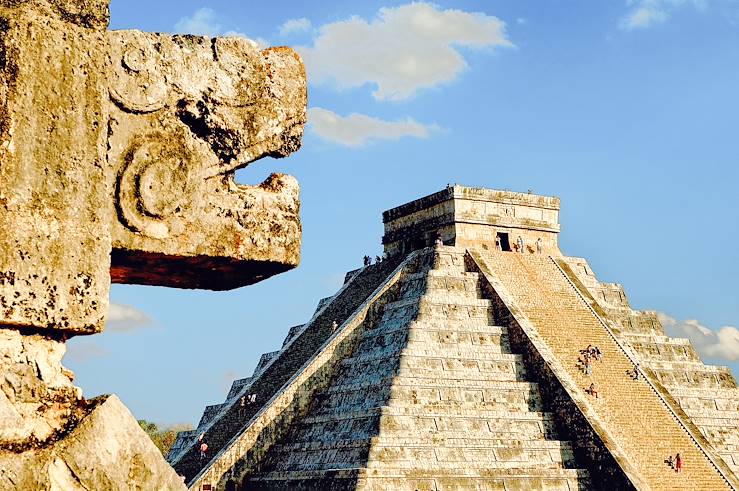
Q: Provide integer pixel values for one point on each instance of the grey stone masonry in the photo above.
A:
(431, 398)
(473, 217)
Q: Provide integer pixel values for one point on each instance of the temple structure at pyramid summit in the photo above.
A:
(459, 365)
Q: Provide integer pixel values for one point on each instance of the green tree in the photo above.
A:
(163, 438)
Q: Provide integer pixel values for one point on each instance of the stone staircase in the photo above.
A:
(707, 394)
(431, 398)
(222, 422)
(639, 422)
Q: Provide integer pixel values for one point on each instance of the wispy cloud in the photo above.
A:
(202, 22)
(125, 318)
(404, 49)
(206, 22)
(81, 349)
(295, 26)
(722, 343)
(356, 130)
(647, 13)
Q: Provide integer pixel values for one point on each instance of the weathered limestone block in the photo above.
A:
(117, 160)
(188, 111)
(37, 397)
(125, 144)
(107, 450)
(54, 197)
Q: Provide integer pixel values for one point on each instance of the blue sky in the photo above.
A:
(627, 110)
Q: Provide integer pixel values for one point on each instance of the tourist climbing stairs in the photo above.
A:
(641, 425)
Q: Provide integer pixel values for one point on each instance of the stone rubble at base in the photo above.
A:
(450, 370)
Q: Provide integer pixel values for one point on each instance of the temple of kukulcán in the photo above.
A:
(458, 364)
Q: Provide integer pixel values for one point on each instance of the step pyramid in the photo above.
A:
(456, 367)
(432, 384)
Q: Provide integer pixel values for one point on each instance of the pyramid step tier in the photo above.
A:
(415, 480)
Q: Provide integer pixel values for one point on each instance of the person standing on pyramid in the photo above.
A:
(203, 450)
(519, 241)
(242, 406)
(588, 365)
(594, 391)
(678, 463)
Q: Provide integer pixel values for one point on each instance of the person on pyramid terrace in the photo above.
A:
(678, 463)
(367, 260)
(593, 390)
(538, 245)
(203, 446)
(378, 260)
(334, 326)
(670, 461)
(519, 243)
(636, 371)
(498, 245)
(588, 365)
(597, 354)
(438, 242)
(586, 357)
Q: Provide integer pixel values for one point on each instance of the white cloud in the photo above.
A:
(646, 13)
(124, 318)
(294, 26)
(404, 49)
(356, 130)
(80, 350)
(723, 343)
(203, 23)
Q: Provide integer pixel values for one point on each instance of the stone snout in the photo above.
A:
(187, 112)
(117, 158)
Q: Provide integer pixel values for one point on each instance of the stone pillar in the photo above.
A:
(54, 195)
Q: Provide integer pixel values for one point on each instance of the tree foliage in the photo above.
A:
(163, 438)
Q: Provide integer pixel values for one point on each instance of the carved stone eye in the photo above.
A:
(156, 182)
(138, 83)
(134, 58)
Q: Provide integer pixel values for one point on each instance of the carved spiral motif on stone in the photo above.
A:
(155, 183)
(136, 82)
